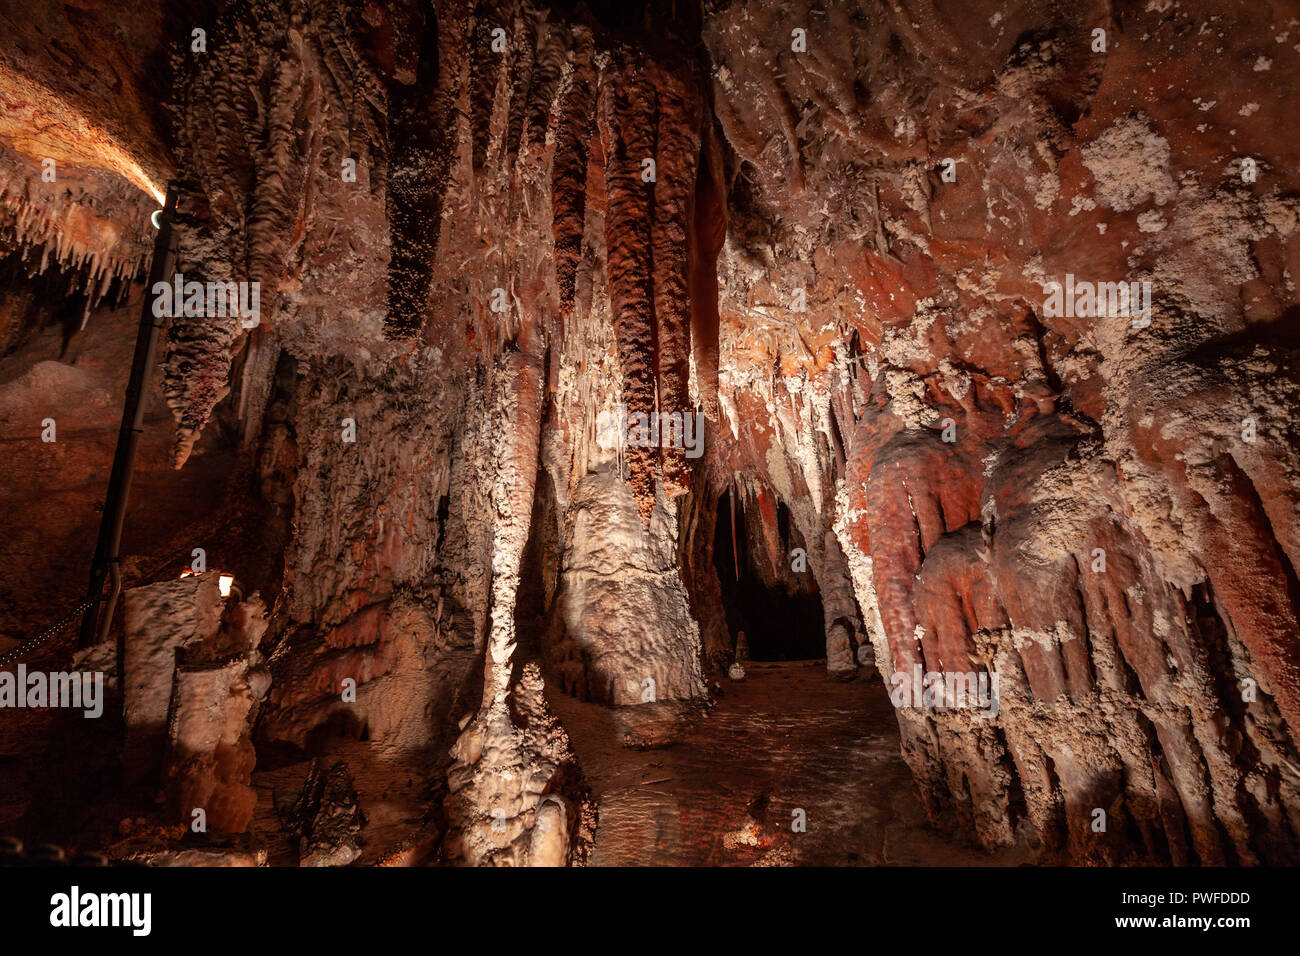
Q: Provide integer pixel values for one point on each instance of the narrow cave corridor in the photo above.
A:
(782, 619)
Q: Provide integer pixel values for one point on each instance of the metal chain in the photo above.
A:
(10, 656)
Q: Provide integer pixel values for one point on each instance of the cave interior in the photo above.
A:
(602, 433)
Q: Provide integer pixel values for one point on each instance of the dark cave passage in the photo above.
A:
(782, 619)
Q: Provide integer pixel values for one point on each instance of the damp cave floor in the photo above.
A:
(785, 738)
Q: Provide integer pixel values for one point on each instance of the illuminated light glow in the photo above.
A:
(156, 218)
(75, 138)
(154, 191)
(225, 581)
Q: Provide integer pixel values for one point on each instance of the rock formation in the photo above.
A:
(917, 338)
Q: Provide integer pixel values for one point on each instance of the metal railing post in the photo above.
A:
(128, 437)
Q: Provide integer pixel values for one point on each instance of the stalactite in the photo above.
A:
(275, 105)
(548, 72)
(677, 149)
(93, 225)
(528, 34)
(573, 134)
(486, 67)
(627, 118)
(421, 152)
(709, 234)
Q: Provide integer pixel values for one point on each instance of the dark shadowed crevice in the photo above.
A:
(782, 619)
(420, 147)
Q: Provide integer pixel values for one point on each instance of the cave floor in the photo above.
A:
(785, 738)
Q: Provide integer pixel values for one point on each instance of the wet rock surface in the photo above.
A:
(726, 792)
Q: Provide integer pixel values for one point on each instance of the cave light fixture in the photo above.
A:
(225, 581)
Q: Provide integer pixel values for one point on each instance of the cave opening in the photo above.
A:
(779, 609)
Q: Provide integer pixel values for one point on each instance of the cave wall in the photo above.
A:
(1121, 689)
